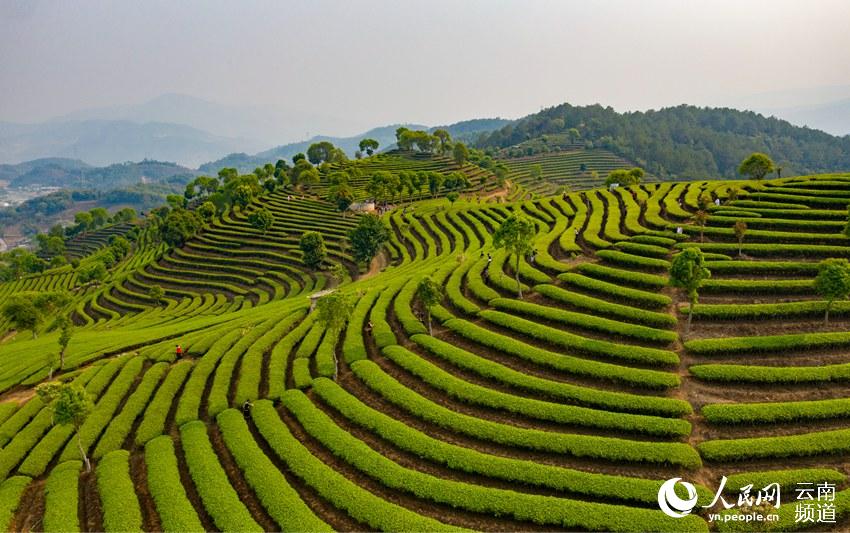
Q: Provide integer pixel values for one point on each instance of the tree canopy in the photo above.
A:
(369, 146)
(313, 250)
(262, 219)
(756, 166)
(687, 271)
(625, 177)
(368, 237)
(429, 293)
(832, 282)
(516, 235)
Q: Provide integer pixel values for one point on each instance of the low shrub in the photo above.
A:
(121, 511)
(362, 505)
(175, 511)
(217, 494)
(61, 498)
(279, 499)
(492, 501)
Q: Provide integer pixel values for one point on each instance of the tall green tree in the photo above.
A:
(83, 221)
(501, 171)
(516, 235)
(261, 219)
(740, 229)
(179, 226)
(435, 181)
(342, 196)
(92, 272)
(334, 310)
(367, 238)
(23, 314)
(369, 146)
(313, 249)
(757, 165)
(535, 172)
(206, 210)
(624, 177)
(100, 216)
(832, 282)
(429, 293)
(70, 405)
(66, 331)
(156, 293)
(701, 219)
(687, 271)
(444, 140)
(320, 152)
(460, 153)
(28, 310)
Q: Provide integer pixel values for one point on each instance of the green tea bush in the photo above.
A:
(121, 511)
(61, 497)
(606, 448)
(499, 502)
(279, 499)
(652, 356)
(175, 511)
(217, 494)
(153, 421)
(603, 307)
(634, 296)
(653, 379)
(362, 505)
(589, 322)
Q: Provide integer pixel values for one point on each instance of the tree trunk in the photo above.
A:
(82, 452)
(62, 359)
(826, 315)
(516, 275)
(430, 331)
(740, 248)
(701, 234)
(690, 317)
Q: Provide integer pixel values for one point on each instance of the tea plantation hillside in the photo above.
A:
(565, 409)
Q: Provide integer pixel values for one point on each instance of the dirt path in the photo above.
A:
(21, 396)
(379, 262)
(501, 193)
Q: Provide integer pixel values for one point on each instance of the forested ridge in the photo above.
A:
(684, 141)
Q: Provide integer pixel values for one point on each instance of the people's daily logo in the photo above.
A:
(671, 503)
(815, 502)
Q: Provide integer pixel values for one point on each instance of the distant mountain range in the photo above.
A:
(103, 142)
(260, 126)
(467, 131)
(73, 173)
(188, 131)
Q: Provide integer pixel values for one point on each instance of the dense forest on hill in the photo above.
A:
(684, 141)
(65, 173)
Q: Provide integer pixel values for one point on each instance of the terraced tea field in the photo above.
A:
(564, 410)
(571, 168)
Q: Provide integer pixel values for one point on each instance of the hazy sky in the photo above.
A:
(432, 62)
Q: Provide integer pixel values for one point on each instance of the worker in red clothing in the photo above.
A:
(179, 351)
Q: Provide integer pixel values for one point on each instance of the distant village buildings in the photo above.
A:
(362, 207)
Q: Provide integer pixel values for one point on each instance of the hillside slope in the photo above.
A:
(685, 141)
(565, 409)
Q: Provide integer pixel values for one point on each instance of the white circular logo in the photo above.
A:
(671, 503)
